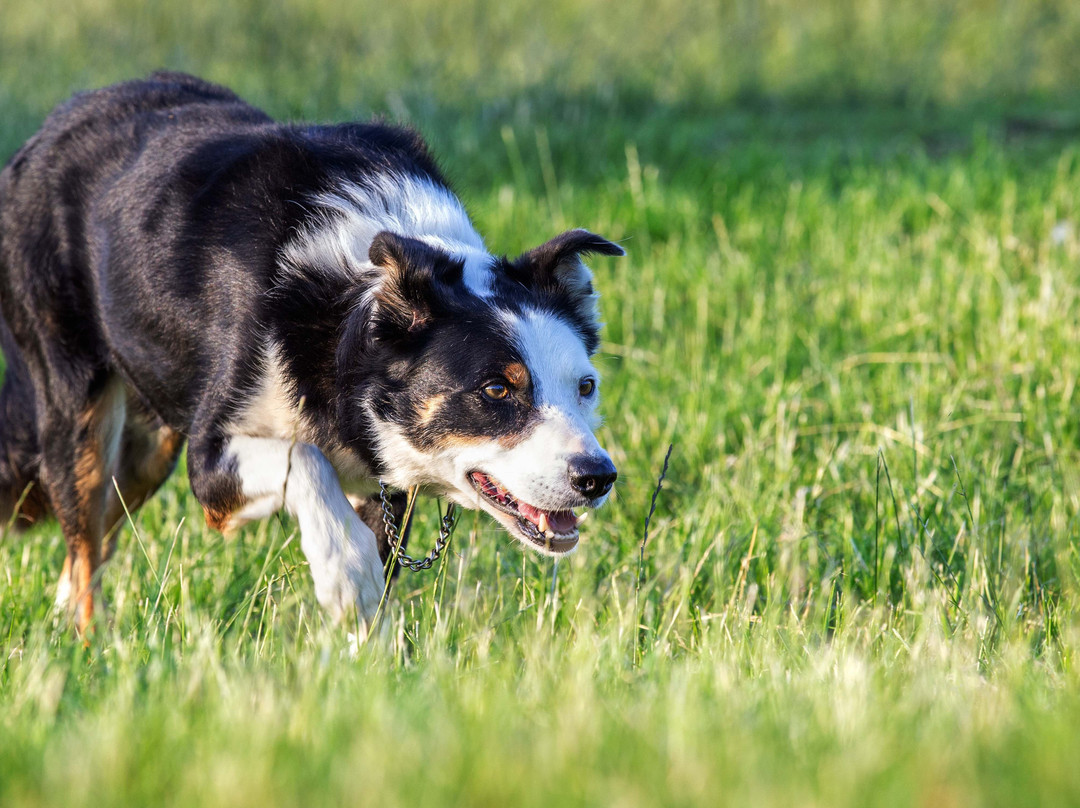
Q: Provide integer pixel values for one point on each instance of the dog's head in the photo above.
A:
(476, 381)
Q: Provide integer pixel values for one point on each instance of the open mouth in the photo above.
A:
(555, 532)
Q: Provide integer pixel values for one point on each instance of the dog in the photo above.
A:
(307, 307)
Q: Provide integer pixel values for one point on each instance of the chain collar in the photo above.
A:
(446, 530)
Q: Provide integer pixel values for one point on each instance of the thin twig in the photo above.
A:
(15, 511)
(877, 525)
(641, 558)
(652, 508)
(395, 551)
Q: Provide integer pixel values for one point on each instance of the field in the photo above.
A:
(851, 306)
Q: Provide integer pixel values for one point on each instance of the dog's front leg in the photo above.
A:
(250, 478)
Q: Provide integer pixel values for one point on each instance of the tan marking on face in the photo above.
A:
(429, 407)
(517, 374)
(511, 440)
(452, 441)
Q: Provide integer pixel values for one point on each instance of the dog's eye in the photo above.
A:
(496, 391)
(586, 387)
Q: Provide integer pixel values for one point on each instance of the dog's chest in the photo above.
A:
(273, 411)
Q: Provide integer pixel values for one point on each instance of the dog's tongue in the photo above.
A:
(559, 521)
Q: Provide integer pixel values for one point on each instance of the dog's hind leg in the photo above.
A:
(148, 452)
(22, 500)
(80, 445)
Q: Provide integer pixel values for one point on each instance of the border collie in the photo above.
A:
(308, 307)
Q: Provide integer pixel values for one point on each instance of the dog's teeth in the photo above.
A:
(550, 534)
(542, 524)
(582, 518)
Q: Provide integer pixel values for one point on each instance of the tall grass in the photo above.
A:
(850, 304)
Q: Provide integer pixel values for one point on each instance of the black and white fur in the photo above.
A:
(308, 307)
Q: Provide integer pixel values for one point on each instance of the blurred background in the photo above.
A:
(317, 57)
(569, 60)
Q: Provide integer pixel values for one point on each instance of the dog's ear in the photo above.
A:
(556, 267)
(412, 280)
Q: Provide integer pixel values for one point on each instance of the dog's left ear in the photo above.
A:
(414, 277)
(556, 266)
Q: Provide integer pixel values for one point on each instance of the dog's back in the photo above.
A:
(48, 296)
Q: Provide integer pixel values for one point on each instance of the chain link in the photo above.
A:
(446, 530)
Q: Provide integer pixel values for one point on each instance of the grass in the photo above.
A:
(850, 303)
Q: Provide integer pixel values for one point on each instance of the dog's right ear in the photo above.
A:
(410, 277)
(556, 264)
(556, 268)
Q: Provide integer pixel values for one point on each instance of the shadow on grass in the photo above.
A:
(586, 136)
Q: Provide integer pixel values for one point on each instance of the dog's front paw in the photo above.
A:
(351, 591)
(349, 577)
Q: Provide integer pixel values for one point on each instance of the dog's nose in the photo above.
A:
(592, 476)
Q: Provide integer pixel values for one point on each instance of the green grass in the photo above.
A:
(850, 303)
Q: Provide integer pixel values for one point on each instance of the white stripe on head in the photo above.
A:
(557, 361)
(404, 204)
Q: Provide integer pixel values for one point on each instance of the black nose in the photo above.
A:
(592, 476)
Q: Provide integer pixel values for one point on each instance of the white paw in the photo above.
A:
(354, 641)
(349, 589)
(345, 566)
